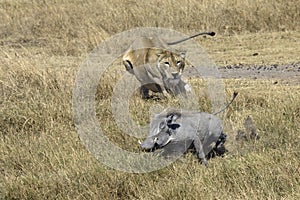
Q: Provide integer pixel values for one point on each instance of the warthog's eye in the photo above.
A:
(167, 64)
(162, 125)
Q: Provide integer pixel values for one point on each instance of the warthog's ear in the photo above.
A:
(128, 65)
(171, 118)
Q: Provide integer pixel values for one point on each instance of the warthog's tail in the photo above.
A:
(234, 95)
(185, 39)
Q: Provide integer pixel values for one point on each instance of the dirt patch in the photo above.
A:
(288, 73)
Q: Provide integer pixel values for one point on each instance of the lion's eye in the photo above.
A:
(167, 64)
(178, 62)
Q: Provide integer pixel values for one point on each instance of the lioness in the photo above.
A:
(154, 64)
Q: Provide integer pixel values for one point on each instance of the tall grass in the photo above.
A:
(42, 156)
(73, 27)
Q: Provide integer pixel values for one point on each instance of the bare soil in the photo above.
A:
(283, 72)
(287, 73)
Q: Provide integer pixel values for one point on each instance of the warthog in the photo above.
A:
(179, 130)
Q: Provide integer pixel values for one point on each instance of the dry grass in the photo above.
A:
(271, 47)
(43, 44)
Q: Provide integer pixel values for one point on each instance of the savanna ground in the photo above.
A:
(42, 45)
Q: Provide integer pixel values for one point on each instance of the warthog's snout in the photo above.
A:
(164, 135)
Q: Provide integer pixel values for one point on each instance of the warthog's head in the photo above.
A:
(165, 134)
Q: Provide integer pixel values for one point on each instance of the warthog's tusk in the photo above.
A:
(169, 140)
(139, 141)
(188, 88)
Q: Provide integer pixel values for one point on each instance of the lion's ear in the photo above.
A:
(182, 54)
(160, 53)
(128, 65)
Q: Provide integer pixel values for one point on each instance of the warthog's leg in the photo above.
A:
(219, 148)
(222, 139)
(199, 149)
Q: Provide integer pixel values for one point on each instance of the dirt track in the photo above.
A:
(289, 73)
